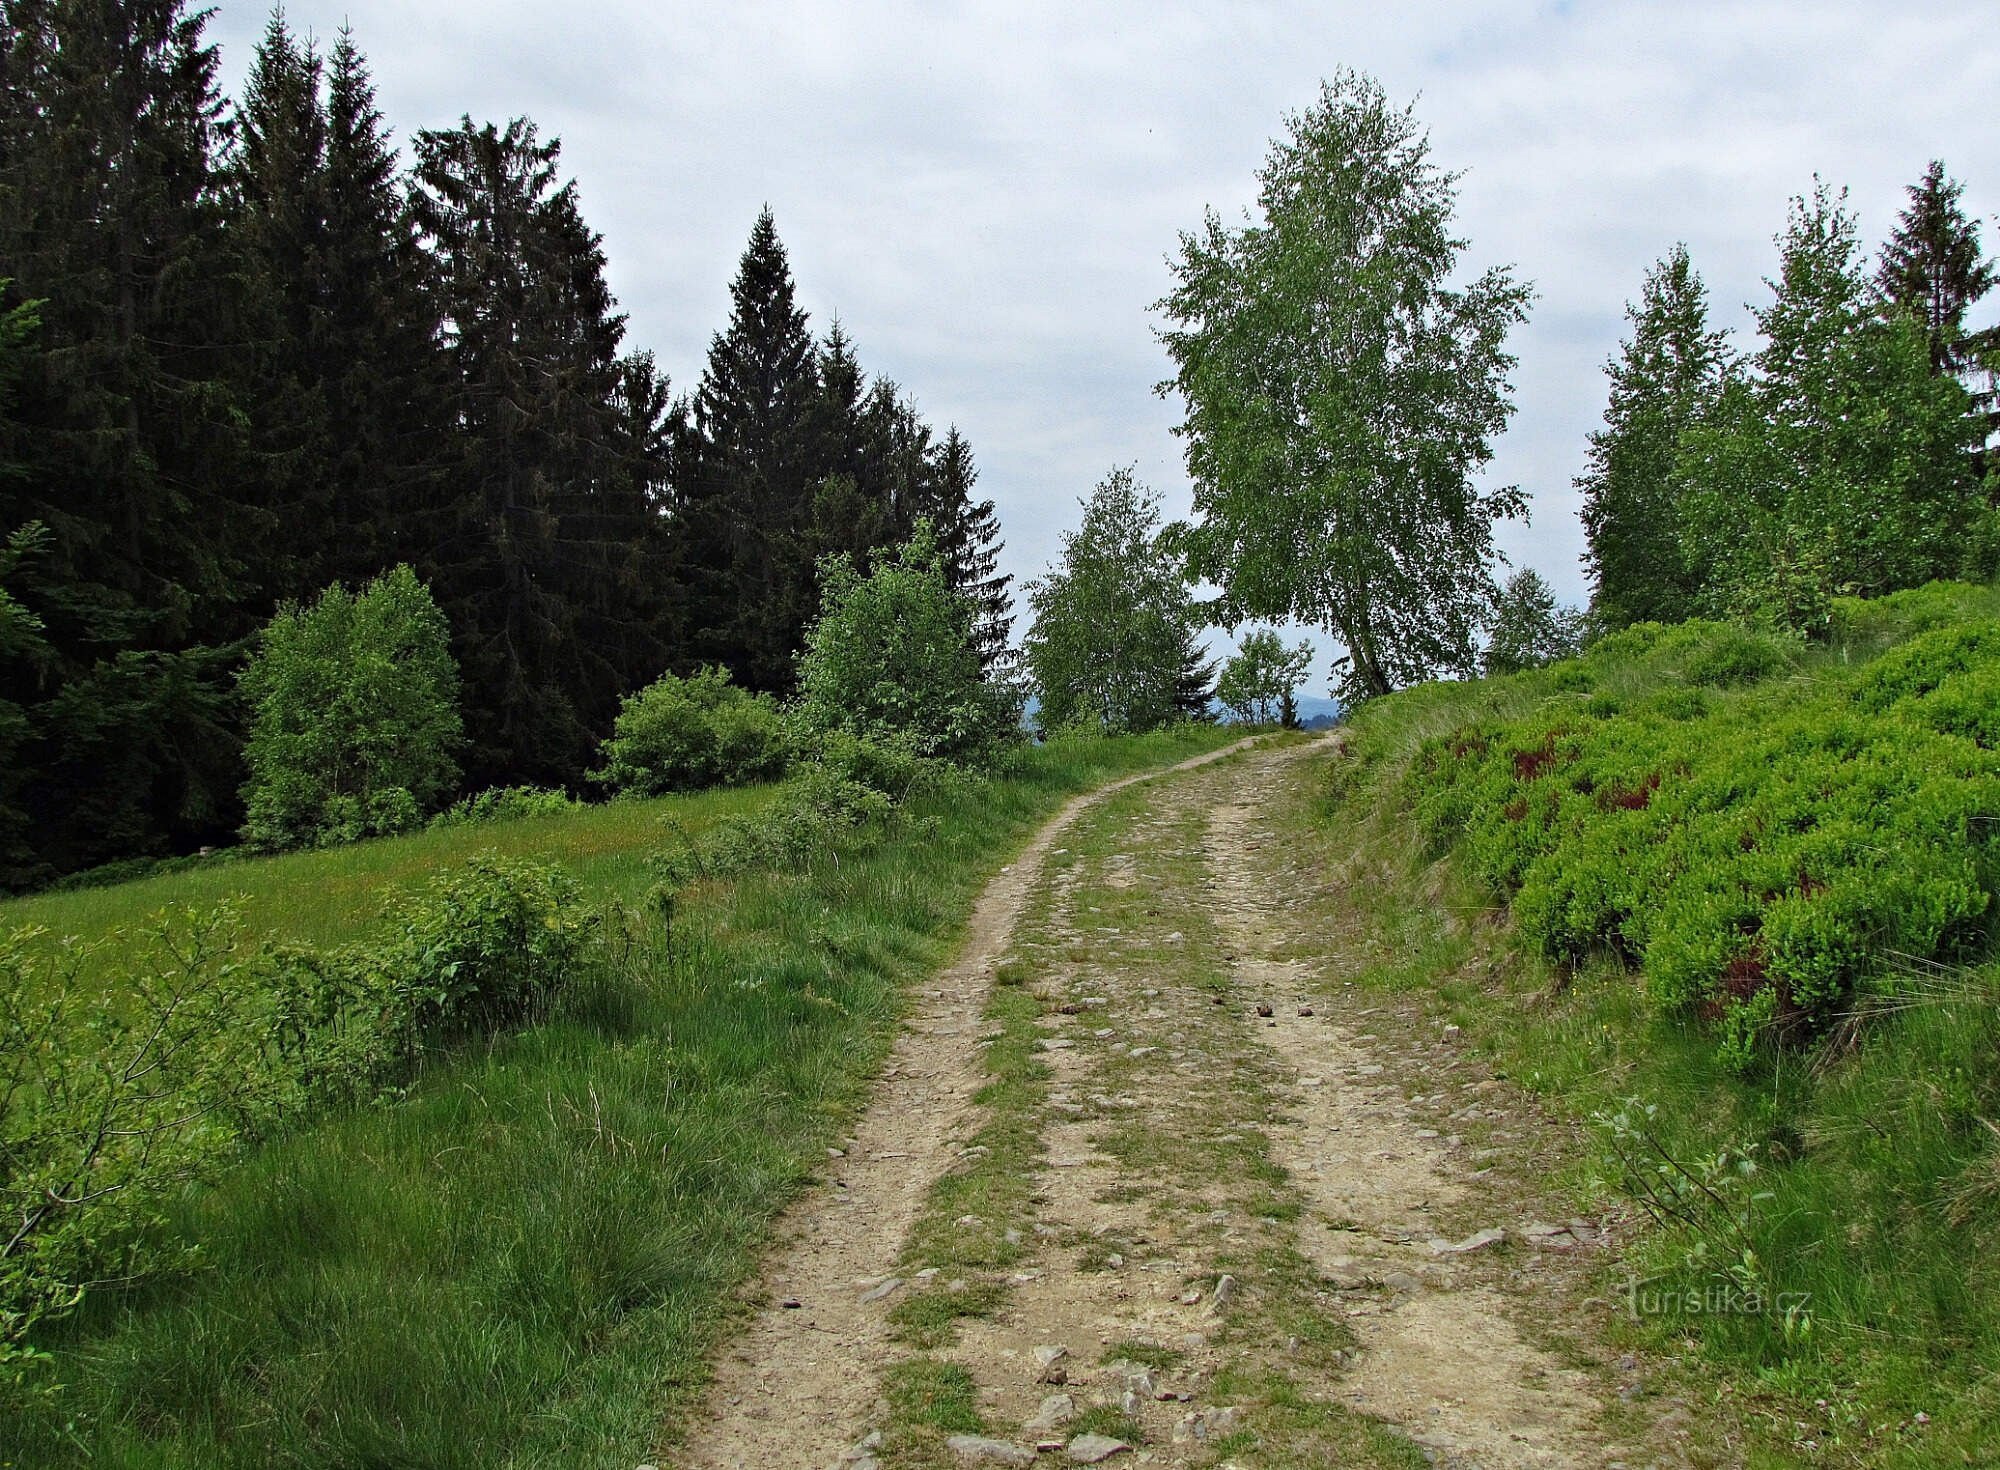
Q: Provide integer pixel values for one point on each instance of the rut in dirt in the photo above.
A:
(1241, 1244)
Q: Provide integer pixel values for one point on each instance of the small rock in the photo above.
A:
(1402, 1281)
(1263, 1010)
(1225, 1421)
(1477, 1241)
(1094, 1449)
(1056, 1410)
(1052, 1364)
(883, 1290)
(861, 1454)
(1191, 1296)
(1224, 1293)
(1305, 1010)
(1452, 1033)
(976, 1449)
(1136, 1377)
(791, 1304)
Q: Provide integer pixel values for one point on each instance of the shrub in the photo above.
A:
(354, 716)
(687, 734)
(105, 1112)
(1761, 858)
(893, 660)
(485, 946)
(505, 804)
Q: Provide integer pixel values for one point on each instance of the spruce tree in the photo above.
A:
(968, 534)
(383, 367)
(276, 180)
(1668, 373)
(1933, 268)
(540, 566)
(747, 490)
(111, 214)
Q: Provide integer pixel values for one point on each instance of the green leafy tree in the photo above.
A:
(1840, 463)
(689, 734)
(1341, 394)
(1114, 640)
(892, 658)
(1669, 373)
(1258, 684)
(1529, 629)
(354, 716)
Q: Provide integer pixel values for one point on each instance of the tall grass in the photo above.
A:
(525, 1259)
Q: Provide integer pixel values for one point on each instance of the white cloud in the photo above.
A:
(985, 193)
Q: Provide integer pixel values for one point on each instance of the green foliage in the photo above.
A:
(1528, 628)
(1762, 859)
(1665, 379)
(1342, 395)
(1853, 1261)
(354, 716)
(893, 660)
(109, 1106)
(688, 734)
(1113, 646)
(1258, 683)
(505, 804)
(105, 1109)
(569, 1209)
(1842, 464)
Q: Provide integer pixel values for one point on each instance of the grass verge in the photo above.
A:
(1823, 1266)
(524, 1260)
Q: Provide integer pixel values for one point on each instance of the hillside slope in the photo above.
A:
(1746, 892)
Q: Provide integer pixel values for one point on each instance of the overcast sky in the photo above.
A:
(985, 195)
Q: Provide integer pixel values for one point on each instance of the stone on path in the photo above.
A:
(1052, 1364)
(1477, 1241)
(976, 1449)
(1093, 1449)
(1224, 1293)
(1056, 1410)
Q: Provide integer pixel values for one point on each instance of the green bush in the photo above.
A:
(893, 661)
(354, 716)
(504, 804)
(688, 734)
(1760, 858)
(105, 1112)
(485, 946)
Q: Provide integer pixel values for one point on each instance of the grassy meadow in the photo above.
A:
(522, 1257)
(1835, 1182)
(334, 895)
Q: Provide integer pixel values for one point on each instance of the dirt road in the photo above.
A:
(1143, 1184)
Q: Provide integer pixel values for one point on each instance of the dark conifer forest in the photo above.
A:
(251, 347)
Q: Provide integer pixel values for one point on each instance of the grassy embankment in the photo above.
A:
(522, 1258)
(1749, 891)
